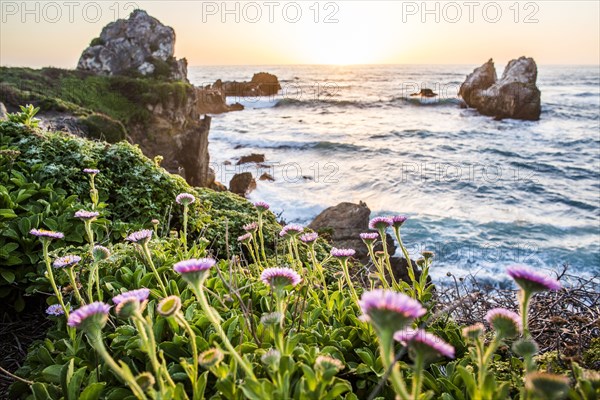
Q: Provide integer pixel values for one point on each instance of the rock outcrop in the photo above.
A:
(345, 222)
(515, 95)
(262, 84)
(139, 45)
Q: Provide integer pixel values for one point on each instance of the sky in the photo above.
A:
(54, 33)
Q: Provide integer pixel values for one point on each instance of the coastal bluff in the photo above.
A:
(515, 95)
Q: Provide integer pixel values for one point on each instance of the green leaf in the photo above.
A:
(7, 275)
(52, 373)
(45, 358)
(74, 384)
(468, 380)
(40, 392)
(92, 391)
(7, 213)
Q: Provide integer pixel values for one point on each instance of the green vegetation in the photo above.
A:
(41, 186)
(203, 321)
(120, 98)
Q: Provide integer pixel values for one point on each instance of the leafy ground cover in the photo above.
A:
(157, 290)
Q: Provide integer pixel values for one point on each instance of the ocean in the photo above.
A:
(482, 194)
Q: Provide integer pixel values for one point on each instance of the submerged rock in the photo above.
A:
(515, 95)
(242, 184)
(139, 45)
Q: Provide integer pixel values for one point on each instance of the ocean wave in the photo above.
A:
(416, 101)
(587, 94)
(319, 103)
(394, 101)
(292, 145)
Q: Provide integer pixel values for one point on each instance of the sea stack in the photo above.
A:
(514, 96)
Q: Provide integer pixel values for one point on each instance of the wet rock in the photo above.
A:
(242, 184)
(252, 158)
(515, 95)
(267, 177)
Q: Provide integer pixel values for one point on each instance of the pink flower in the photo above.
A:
(531, 280)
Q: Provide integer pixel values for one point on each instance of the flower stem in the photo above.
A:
(71, 275)
(96, 341)
(185, 222)
(261, 236)
(388, 359)
(50, 273)
(344, 263)
(379, 267)
(252, 253)
(148, 256)
(90, 234)
(194, 376)
(140, 324)
(256, 252)
(415, 289)
(317, 265)
(417, 376)
(214, 319)
(388, 264)
(525, 297)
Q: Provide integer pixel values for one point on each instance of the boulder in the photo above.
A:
(515, 95)
(242, 184)
(345, 222)
(140, 44)
(252, 158)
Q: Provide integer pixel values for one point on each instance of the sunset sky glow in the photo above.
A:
(38, 34)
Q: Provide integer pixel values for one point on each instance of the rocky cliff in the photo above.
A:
(514, 95)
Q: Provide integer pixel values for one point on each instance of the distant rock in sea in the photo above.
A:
(139, 45)
(425, 93)
(515, 95)
(262, 84)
